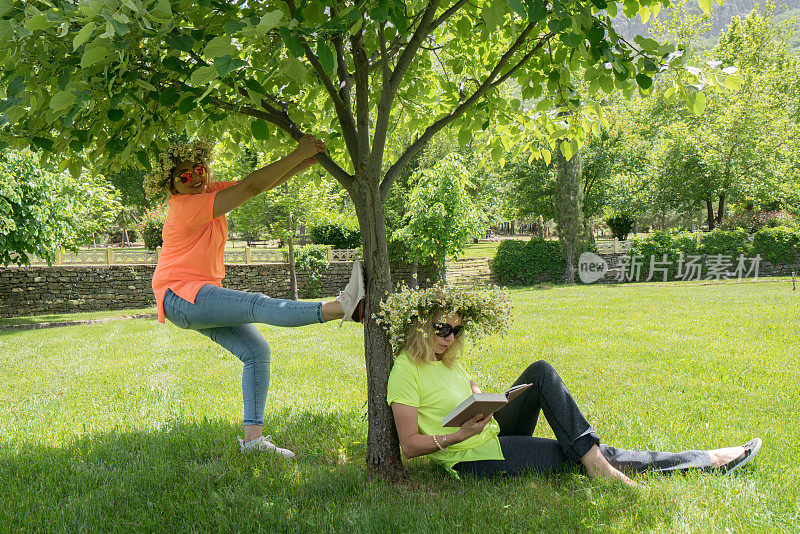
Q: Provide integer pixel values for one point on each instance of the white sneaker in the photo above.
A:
(263, 443)
(352, 295)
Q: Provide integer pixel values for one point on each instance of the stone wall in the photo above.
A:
(41, 289)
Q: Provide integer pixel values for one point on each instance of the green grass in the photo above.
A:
(58, 317)
(130, 425)
(480, 250)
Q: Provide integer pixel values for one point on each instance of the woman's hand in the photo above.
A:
(473, 426)
(308, 147)
(474, 387)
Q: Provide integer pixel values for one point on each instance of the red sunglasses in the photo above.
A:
(185, 176)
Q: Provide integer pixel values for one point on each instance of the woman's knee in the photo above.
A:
(256, 351)
(541, 368)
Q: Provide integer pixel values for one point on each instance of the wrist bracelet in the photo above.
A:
(444, 440)
(436, 441)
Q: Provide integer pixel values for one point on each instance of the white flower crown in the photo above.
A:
(482, 311)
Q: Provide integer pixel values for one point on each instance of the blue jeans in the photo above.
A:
(226, 316)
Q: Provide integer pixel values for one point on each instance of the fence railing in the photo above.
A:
(612, 246)
(123, 256)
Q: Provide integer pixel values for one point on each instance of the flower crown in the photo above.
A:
(482, 311)
(198, 149)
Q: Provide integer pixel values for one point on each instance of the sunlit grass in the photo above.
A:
(131, 425)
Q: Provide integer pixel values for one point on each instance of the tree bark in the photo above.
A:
(383, 448)
(720, 209)
(569, 209)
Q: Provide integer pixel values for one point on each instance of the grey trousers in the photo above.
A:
(574, 435)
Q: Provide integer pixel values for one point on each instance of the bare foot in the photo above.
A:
(598, 467)
(723, 456)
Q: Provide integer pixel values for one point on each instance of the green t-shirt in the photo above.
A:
(435, 390)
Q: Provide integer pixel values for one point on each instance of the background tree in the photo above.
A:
(441, 217)
(42, 212)
(108, 79)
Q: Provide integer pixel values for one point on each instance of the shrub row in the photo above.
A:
(335, 235)
(518, 262)
(775, 244)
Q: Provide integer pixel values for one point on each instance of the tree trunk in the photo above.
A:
(443, 270)
(720, 208)
(414, 272)
(569, 209)
(383, 448)
(710, 212)
(292, 268)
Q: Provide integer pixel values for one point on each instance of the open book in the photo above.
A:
(485, 403)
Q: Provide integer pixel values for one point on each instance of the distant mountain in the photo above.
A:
(720, 18)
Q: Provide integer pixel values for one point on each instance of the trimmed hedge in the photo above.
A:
(335, 235)
(778, 245)
(621, 225)
(536, 261)
(151, 226)
(726, 242)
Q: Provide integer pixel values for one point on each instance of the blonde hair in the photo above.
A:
(420, 344)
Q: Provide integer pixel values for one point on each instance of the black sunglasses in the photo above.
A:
(445, 329)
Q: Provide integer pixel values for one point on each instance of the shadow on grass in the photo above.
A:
(190, 476)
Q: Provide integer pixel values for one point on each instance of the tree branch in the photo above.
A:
(361, 64)
(489, 82)
(283, 122)
(343, 111)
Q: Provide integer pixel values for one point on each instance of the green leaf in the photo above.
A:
(325, 55)
(733, 82)
(697, 102)
(37, 22)
(292, 42)
(93, 55)
(174, 64)
(705, 5)
(293, 68)
(184, 43)
(536, 10)
(227, 64)
(380, 12)
(115, 115)
(203, 75)
(518, 8)
(572, 40)
(144, 160)
(43, 143)
(83, 35)
(464, 26)
(162, 9)
(220, 46)
(607, 84)
(61, 100)
(566, 149)
(15, 86)
(234, 26)
(559, 25)
(547, 156)
(465, 136)
(269, 21)
(492, 14)
(5, 6)
(596, 35)
(169, 97)
(260, 129)
(187, 105)
(644, 81)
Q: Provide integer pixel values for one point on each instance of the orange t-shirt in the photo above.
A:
(193, 252)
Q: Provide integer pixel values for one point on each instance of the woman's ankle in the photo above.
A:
(331, 311)
(252, 432)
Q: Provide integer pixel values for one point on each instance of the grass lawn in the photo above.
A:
(131, 426)
(480, 250)
(58, 317)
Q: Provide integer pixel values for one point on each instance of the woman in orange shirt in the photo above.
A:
(187, 280)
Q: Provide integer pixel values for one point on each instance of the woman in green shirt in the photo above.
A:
(427, 382)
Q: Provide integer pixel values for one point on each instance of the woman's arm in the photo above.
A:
(270, 176)
(413, 444)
